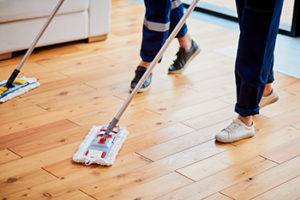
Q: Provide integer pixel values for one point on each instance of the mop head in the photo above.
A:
(21, 86)
(98, 149)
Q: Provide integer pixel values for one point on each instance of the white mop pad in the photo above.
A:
(21, 86)
(96, 150)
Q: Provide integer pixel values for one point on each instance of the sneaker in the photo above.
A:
(139, 72)
(236, 131)
(184, 58)
(267, 100)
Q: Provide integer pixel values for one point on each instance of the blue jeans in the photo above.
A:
(160, 19)
(259, 22)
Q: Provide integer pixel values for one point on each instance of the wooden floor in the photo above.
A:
(170, 152)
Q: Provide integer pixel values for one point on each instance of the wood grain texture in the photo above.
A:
(170, 152)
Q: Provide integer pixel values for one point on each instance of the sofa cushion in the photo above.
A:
(13, 10)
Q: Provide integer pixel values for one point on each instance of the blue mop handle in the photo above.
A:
(15, 73)
(159, 55)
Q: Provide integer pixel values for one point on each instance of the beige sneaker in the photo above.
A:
(271, 98)
(236, 131)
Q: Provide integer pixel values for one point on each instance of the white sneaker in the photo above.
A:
(237, 130)
(271, 98)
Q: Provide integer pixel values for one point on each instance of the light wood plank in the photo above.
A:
(221, 180)
(24, 182)
(37, 160)
(74, 195)
(211, 118)
(265, 181)
(151, 189)
(148, 139)
(74, 176)
(22, 113)
(239, 155)
(288, 190)
(7, 156)
(283, 105)
(285, 151)
(217, 196)
(157, 169)
(182, 143)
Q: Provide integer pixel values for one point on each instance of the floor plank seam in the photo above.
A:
(84, 83)
(226, 195)
(194, 129)
(278, 163)
(87, 194)
(206, 113)
(181, 149)
(201, 161)
(14, 152)
(185, 176)
(116, 96)
(50, 173)
(275, 187)
(74, 122)
(253, 175)
(197, 129)
(158, 197)
(284, 112)
(144, 158)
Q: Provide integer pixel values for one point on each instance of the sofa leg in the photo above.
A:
(97, 38)
(5, 56)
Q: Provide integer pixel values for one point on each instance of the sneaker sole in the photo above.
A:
(229, 142)
(141, 90)
(270, 102)
(186, 64)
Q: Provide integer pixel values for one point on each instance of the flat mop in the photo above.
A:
(102, 144)
(14, 86)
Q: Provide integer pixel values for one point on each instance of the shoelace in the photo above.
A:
(178, 61)
(232, 127)
(139, 72)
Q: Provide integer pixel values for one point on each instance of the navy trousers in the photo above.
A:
(259, 22)
(160, 19)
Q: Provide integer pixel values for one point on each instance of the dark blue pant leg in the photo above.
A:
(156, 27)
(259, 21)
(177, 13)
(240, 4)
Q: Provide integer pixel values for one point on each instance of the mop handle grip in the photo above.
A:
(39, 35)
(157, 58)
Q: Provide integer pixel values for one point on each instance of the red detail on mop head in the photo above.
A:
(109, 136)
(86, 153)
(116, 130)
(100, 135)
(103, 154)
(102, 141)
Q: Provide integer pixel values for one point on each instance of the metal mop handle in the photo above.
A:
(32, 46)
(159, 55)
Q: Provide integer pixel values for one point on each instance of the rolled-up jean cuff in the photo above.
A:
(246, 112)
(146, 58)
(270, 80)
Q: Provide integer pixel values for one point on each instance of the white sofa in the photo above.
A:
(21, 20)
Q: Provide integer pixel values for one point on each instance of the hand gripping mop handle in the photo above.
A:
(159, 55)
(15, 73)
